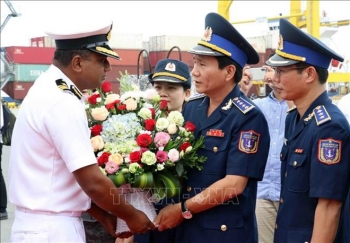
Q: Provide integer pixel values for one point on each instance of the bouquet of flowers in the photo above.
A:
(139, 144)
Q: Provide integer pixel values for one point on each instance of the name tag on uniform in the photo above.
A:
(215, 133)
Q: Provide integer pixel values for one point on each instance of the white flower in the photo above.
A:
(162, 124)
(116, 158)
(97, 143)
(145, 113)
(133, 167)
(175, 117)
(110, 98)
(148, 158)
(160, 167)
(172, 129)
(99, 113)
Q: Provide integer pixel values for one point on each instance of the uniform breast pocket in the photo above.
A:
(298, 173)
(216, 152)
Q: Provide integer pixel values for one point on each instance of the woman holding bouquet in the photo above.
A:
(172, 80)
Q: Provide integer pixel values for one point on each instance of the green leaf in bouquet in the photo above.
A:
(180, 170)
(144, 181)
(166, 185)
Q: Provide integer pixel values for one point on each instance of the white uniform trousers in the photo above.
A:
(31, 226)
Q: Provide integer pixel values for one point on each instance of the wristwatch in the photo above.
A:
(185, 212)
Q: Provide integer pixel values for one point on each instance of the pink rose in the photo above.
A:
(161, 139)
(173, 155)
(161, 156)
(111, 167)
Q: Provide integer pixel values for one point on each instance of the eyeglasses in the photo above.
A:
(279, 71)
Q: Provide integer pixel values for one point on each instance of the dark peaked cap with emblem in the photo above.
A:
(171, 71)
(222, 39)
(297, 46)
(94, 39)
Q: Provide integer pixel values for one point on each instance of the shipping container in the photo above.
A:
(29, 55)
(17, 90)
(128, 57)
(28, 72)
(166, 42)
(126, 41)
(258, 43)
(156, 56)
(45, 41)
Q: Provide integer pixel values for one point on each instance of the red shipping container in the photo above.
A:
(186, 57)
(128, 57)
(17, 90)
(29, 55)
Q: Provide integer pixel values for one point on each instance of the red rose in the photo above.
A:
(103, 159)
(163, 106)
(93, 99)
(110, 106)
(121, 107)
(189, 126)
(135, 156)
(150, 124)
(144, 140)
(184, 146)
(96, 130)
(106, 87)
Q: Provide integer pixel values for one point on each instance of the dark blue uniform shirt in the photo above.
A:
(236, 143)
(315, 164)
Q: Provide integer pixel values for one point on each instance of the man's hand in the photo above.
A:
(139, 223)
(169, 217)
(245, 84)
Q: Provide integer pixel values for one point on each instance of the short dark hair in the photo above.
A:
(65, 56)
(225, 61)
(322, 73)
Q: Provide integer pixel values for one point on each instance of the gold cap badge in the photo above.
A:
(280, 43)
(207, 34)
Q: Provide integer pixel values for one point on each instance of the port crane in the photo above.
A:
(309, 19)
(8, 72)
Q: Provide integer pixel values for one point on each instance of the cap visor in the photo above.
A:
(106, 51)
(167, 79)
(278, 61)
(202, 50)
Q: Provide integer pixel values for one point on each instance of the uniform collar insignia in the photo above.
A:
(170, 67)
(207, 34)
(291, 109)
(228, 105)
(64, 86)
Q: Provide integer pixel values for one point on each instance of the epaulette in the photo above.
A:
(291, 109)
(243, 105)
(64, 86)
(321, 115)
(197, 96)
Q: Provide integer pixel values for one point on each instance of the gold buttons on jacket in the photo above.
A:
(285, 174)
(281, 200)
(276, 226)
(215, 149)
(189, 188)
(223, 227)
(295, 163)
